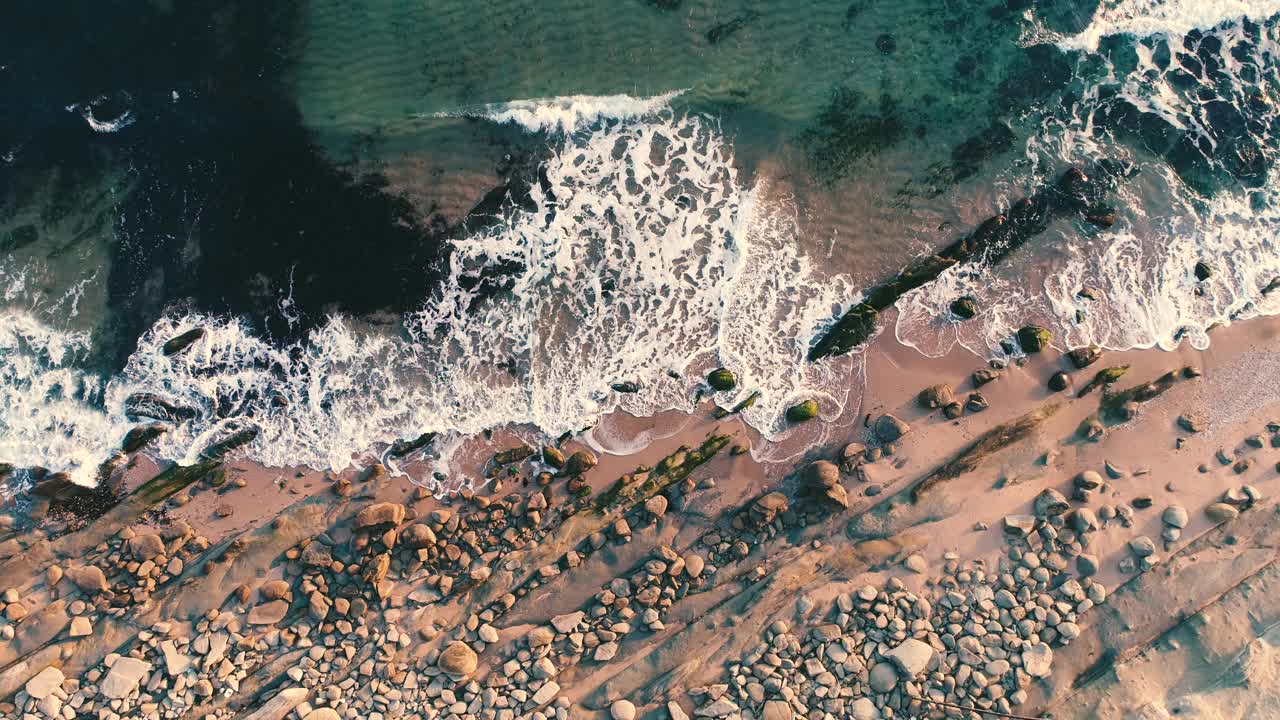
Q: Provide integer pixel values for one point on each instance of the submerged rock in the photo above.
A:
(177, 344)
(964, 308)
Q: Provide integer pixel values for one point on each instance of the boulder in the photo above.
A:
(146, 547)
(822, 474)
(911, 658)
(1221, 512)
(179, 343)
(1050, 503)
(1037, 660)
(553, 457)
(977, 402)
(89, 579)
(622, 710)
(1033, 338)
(1175, 516)
(883, 677)
(778, 710)
(1059, 381)
(802, 412)
(1087, 480)
(141, 436)
(936, 396)
(274, 590)
(767, 507)
(1083, 357)
(721, 380)
(580, 462)
(123, 677)
(964, 307)
(384, 513)
(418, 536)
(889, 428)
(458, 659)
(268, 613)
(45, 683)
(1019, 525)
(983, 376)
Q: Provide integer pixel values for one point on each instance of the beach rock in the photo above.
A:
(553, 457)
(1050, 503)
(836, 495)
(777, 710)
(323, 713)
(951, 411)
(656, 506)
(964, 307)
(568, 622)
(1082, 520)
(977, 402)
(622, 710)
(1092, 429)
(936, 396)
(45, 683)
(911, 657)
(1088, 480)
(1019, 525)
(1113, 472)
(1087, 565)
(1221, 512)
(1037, 660)
(822, 474)
(1059, 381)
(768, 507)
(123, 677)
(1202, 271)
(1033, 338)
(628, 386)
(458, 659)
(722, 380)
(141, 436)
(694, 565)
(1190, 422)
(915, 562)
(268, 613)
(177, 344)
(1085, 356)
(418, 536)
(890, 429)
(1175, 516)
(802, 412)
(983, 376)
(81, 626)
(580, 462)
(1142, 546)
(884, 677)
(384, 513)
(88, 578)
(864, 708)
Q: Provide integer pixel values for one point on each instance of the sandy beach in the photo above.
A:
(1014, 559)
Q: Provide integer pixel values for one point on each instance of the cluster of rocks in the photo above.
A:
(942, 396)
(164, 673)
(977, 642)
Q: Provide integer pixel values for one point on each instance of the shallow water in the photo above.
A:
(394, 219)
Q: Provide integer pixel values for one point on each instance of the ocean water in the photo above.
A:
(391, 219)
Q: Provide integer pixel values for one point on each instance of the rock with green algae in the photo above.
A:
(722, 380)
(806, 410)
(1033, 338)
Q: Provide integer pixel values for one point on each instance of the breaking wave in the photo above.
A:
(569, 113)
(642, 259)
(1196, 234)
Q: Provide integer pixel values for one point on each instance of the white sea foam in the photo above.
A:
(116, 124)
(645, 259)
(1142, 271)
(1144, 18)
(569, 113)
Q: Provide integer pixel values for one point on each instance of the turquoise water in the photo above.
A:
(393, 218)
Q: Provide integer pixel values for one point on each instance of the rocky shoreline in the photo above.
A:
(961, 555)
